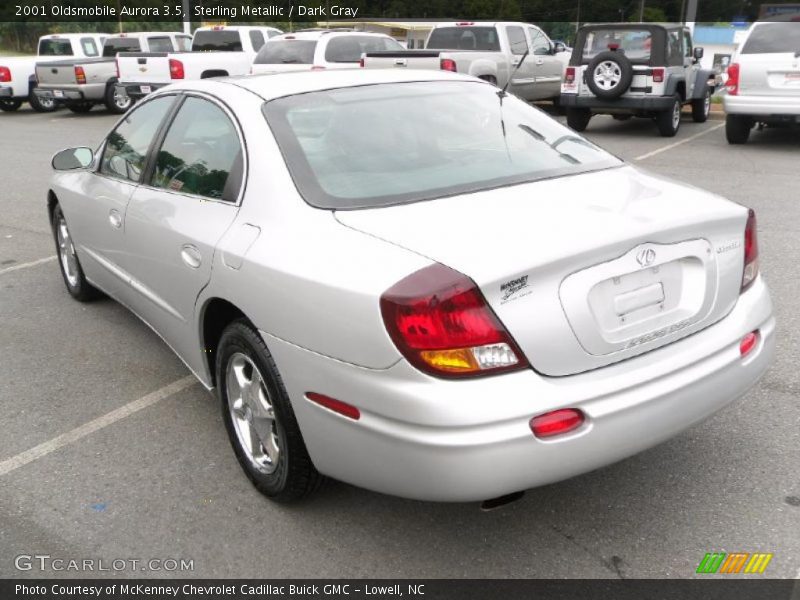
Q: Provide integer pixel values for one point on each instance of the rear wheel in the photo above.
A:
(701, 107)
(669, 121)
(42, 105)
(80, 107)
(77, 285)
(7, 105)
(737, 128)
(578, 118)
(117, 103)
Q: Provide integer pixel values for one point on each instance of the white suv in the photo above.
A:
(764, 80)
(325, 49)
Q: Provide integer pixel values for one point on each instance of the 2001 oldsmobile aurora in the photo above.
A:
(413, 282)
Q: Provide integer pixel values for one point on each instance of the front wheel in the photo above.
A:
(10, 105)
(578, 118)
(701, 107)
(669, 121)
(42, 105)
(737, 128)
(117, 103)
(259, 418)
(77, 285)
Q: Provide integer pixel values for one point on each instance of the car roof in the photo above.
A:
(629, 25)
(323, 33)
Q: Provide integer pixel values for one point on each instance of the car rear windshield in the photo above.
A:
(114, 45)
(55, 48)
(287, 52)
(768, 38)
(464, 38)
(217, 40)
(349, 48)
(379, 145)
(635, 43)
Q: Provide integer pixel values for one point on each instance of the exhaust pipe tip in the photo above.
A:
(500, 501)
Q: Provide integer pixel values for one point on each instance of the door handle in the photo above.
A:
(539, 61)
(191, 256)
(115, 218)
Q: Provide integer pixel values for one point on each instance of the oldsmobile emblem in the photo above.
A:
(646, 256)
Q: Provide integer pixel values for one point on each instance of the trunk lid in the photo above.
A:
(585, 270)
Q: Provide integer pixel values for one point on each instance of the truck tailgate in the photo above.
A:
(56, 72)
(410, 59)
(144, 67)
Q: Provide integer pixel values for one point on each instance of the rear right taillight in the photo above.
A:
(441, 323)
(176, 69)
(732, 84)
(448, 64)
(5, 74)
(658, 75)
(569, 75)
(80, 75)
(750, 251)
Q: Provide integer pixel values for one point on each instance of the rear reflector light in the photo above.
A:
(658, 75)
(750, 251)
(733, 79)
(5, 74)
(441, 323)
(361, 62)
(748, 343)
(448, 64)
(80, 75)
(336, 406)
(569, 75)
(557, 422)
(175, 69)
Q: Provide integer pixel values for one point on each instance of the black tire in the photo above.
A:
(10, 105)
(578, 118)
(42, 106)
(80, 107)
(623, 72)
(116, 104)
(622, 117)
(294, 475)
(77, 285)
(667, 124)
(701, 107)
(737, 128)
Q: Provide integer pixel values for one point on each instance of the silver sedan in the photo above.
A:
(413, 282)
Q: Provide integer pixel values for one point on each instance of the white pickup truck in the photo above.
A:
(80, 84)
(18, 73)
(217, 51)
(490, 51)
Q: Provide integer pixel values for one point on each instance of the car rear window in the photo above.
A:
(768, 38)
(377, 145)
(217, 40)
(114, 45)
(349, 48)
(635, 43)
(55, 48)
(160, 44)
(464, 38)
(287, 52)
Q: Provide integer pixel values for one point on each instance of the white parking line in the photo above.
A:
(37, 452)
(28, 264)
(679, 143)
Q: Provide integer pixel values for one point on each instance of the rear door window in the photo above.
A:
(256, 39)
(349, 48)
(636, 44)
(89, 47)
(217, 40)
(516, 40)
(184, 42)
(117, 44)
(55, 47)
(160, 44)
(769, 38)
(287, 52)
(464, 38)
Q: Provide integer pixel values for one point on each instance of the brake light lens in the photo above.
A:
(441, 323)
(361, 62)
(658, 75)
(569, 75)
(465, 23)
(80, 75)
(748, 343)
(5, 74)
(448, 64)
(733, 79)
(750, 251)
(557, 422)
(176, 69)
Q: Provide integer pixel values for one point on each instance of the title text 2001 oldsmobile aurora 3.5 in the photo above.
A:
(413, 282)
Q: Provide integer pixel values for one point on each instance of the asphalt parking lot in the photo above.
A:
(162, 482)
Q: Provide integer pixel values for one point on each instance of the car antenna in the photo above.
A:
(502, 92)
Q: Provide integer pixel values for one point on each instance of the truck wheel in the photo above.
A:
(117, 103)
(669, 121)
(80, 107)
(10, 105)
(42, 105)
(578, 118)
(609, 75)
(737, 128)
(701, 107)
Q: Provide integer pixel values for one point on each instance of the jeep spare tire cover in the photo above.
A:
(609, 74)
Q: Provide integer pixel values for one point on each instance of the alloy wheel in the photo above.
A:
(66, 253)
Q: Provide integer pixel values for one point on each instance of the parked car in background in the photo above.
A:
(18, 73)
(411, 282)
(636, 70)
(82, 83)
(763, 84)
(490, 51)
(216, 52)
(316, 50)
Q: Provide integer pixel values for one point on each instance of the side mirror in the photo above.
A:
(72, 158)
(698, 53)
(559, 47)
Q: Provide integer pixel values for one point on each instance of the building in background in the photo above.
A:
(719, 43)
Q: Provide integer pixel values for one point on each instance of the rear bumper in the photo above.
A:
(134, 90)
(431, 439)
(94, 92)
(762, 105)
(645, 103)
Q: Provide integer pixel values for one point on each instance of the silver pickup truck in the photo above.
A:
(80, 84)
(490, 51)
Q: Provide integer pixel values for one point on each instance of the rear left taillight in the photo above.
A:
(176, 69)
(569, 75)
(5, 74)
(658, 75)
(750, 251)
(732, 84)
(441, 323)
(361, 62)
(448, 64)
(80, 75)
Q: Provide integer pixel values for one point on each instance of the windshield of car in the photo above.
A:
(349, 48)
(55, 48)
(287, 52)
(114, 45)
(636, 44)
(377, 145)
(216, 40)
(768, 38)
(464, 38)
